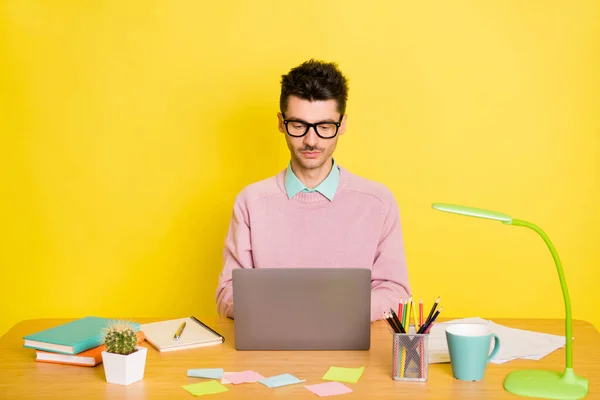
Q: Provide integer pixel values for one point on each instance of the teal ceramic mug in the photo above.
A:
(469, 347)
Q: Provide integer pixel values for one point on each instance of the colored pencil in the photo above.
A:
(414, 314)
(400, 307)
(428, 326)
(433, 320)
(402, 361)
(389, 327)
(391, 320)
(432, 310)
(397, 321)
(408, 312)
(395, 365)
(422, 357)
(388, 319)
(421, 346)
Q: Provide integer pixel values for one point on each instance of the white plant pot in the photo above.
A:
(125, 370)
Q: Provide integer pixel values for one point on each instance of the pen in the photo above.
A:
(177, 334)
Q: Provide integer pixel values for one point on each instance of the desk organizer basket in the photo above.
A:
(410, 361)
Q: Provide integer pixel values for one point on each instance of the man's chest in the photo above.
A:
(316, 238)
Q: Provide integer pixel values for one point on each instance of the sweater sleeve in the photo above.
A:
(389, 274)
(236, 254)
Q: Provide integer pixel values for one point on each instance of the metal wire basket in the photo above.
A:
(410, 361)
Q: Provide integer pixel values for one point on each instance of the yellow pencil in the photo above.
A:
(414, 313)
(406, 319)
(407, 316)
(402, 360)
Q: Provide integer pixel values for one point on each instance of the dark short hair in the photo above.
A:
(314, 81)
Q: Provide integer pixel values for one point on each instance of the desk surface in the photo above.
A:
(22, 377)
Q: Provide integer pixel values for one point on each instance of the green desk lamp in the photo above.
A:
(536, 383)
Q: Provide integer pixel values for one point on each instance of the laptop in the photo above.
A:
(302, 308)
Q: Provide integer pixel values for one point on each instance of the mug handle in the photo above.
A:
(496, 347)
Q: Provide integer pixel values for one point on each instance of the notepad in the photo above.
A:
(72, 337)
(196, 334)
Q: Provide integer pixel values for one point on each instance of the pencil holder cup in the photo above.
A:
(410, 361)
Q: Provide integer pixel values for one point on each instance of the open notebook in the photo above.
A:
(196, 334)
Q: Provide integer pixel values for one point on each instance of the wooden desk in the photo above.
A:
(22, 377)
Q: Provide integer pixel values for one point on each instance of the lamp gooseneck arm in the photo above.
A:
(563, 284)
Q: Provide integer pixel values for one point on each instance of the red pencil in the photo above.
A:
(421, 352)
(400, 307)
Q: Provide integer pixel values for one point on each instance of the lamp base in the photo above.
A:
(546, 384)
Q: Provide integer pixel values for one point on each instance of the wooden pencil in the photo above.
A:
(432, 309)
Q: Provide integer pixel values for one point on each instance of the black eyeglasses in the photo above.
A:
(298, 128)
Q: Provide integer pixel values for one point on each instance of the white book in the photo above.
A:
(195, 334)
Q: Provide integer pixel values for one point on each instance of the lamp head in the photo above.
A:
(473, 212)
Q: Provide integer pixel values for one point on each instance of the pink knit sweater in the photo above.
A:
(360, 228)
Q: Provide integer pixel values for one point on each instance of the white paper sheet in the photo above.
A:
(514, 343)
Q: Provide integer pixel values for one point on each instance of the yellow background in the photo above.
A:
(127, 129)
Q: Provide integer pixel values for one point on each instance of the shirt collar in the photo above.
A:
(327, 188)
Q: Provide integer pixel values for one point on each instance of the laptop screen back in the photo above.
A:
(302, 308)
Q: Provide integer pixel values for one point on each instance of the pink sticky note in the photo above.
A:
(329, 389)
(243, 377)
(224, 380)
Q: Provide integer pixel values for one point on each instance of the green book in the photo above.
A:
(72, 337)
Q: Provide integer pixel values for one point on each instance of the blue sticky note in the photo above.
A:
(281, 380)
(209, 373)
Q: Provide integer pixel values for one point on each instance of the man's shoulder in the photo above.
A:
(261, 189)
(369, 187)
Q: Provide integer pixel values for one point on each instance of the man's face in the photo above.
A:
(310, 151)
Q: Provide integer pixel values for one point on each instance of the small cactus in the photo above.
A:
(119, 338)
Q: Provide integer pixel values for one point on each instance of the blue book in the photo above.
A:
(72, 337)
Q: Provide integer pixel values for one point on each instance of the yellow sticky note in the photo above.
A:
(340, 374)
(202, 388)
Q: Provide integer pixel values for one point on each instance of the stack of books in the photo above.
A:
(78, 342)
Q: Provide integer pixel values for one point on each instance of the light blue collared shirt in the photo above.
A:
(327, 188)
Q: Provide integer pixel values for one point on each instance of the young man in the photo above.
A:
(315, 213)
